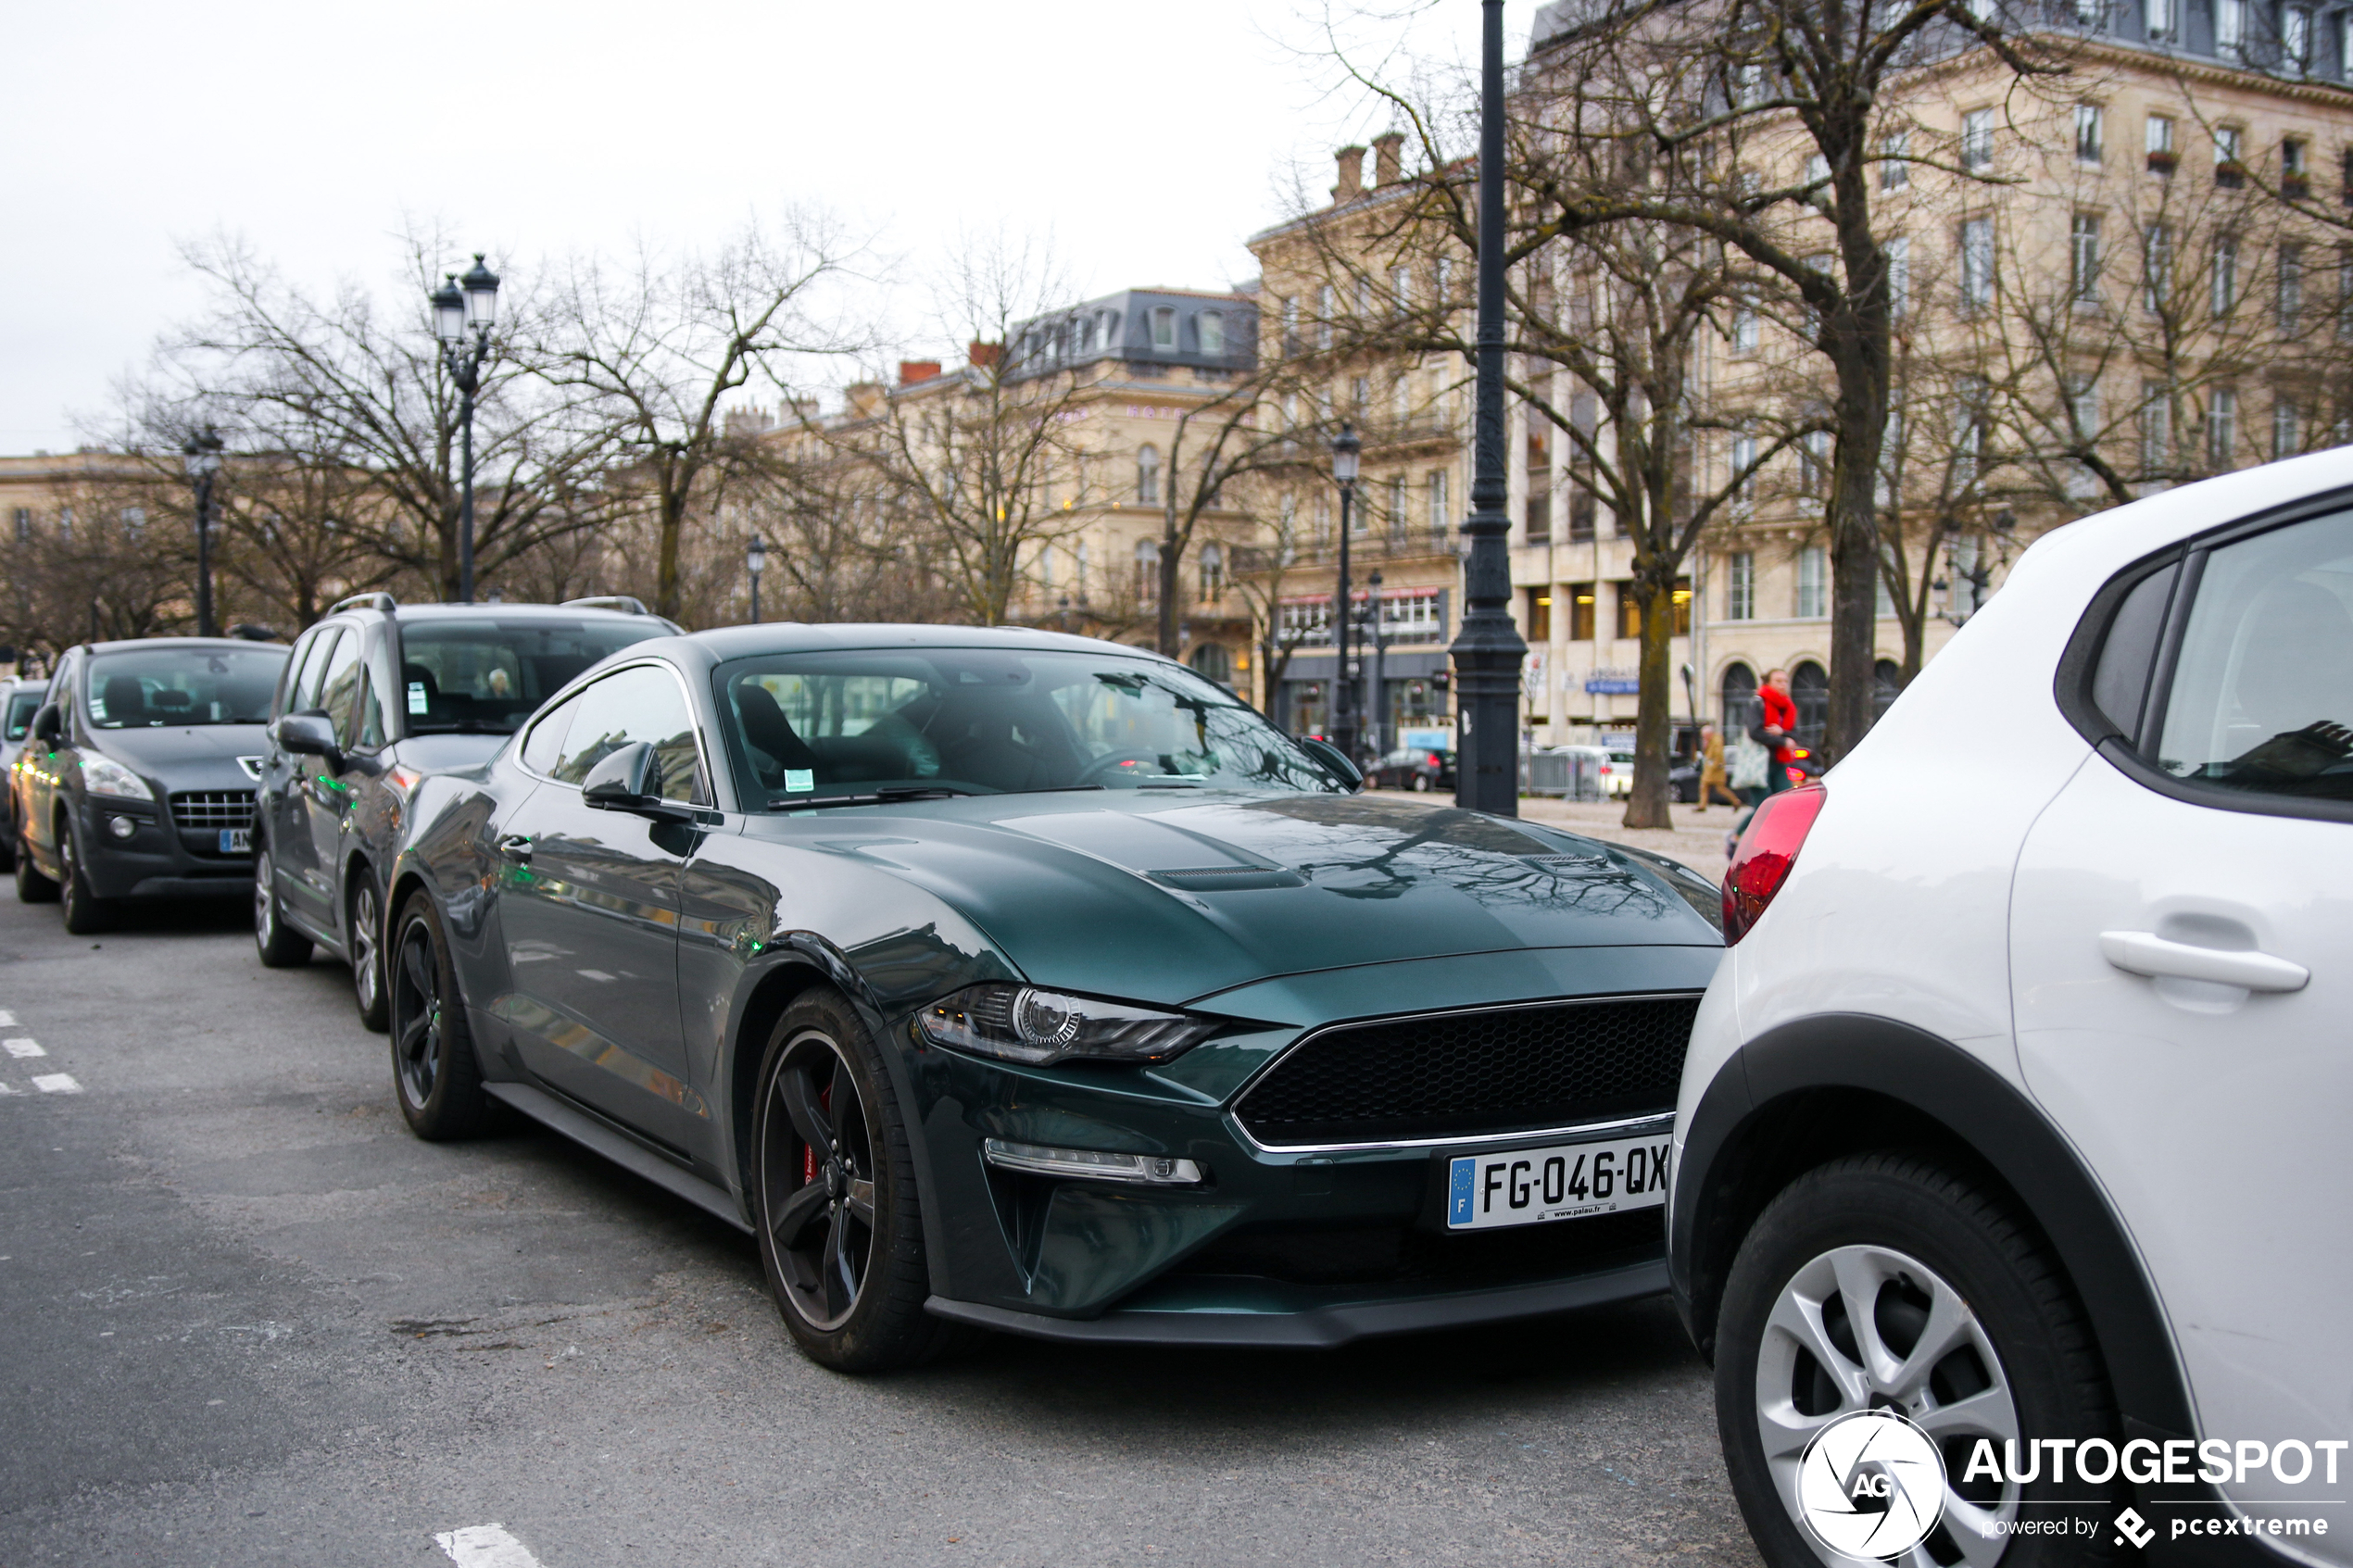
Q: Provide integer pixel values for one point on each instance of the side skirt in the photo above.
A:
(598, 1139)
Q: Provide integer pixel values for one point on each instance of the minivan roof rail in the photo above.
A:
(625, 603)
(378, 600)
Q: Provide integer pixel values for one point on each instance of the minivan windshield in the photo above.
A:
(487, 676)
(23, 703)
(154, 687)
(805, 727)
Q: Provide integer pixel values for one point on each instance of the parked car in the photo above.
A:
(136, 780)
(19, 700)
(1682, 781)
(377, 696)
(2021, 1112)
(1016, 980)
(1617, 773)
(1415, 767)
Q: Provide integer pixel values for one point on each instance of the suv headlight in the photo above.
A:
(1023, 1023)
(103, 775)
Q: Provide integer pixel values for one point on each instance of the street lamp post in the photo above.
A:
(756, 558)
(1380, 743)
(1487, 648)
(464, 310)
(1346, 448)
(201, 453)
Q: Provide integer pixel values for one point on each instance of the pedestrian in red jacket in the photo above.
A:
(1773, 731)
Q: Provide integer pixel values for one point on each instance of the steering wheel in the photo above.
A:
(1092, 772)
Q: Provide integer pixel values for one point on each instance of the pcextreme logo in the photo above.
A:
(1871, 1485)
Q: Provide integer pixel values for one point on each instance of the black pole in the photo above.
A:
(1343, 677)
(755, 598)
(1487, 648)
(466, 493)
(204, 557)
(1383, 741)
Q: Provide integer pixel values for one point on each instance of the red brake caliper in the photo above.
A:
(809, 1152)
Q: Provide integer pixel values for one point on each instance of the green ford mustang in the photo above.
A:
(1027, 982)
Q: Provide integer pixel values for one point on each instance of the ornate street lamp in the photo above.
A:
(464, 310)
(201, 455)
(1346, 448)
(756, 560)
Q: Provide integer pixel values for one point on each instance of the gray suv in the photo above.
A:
(377, 696)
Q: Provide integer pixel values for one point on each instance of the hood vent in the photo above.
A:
(1226, 879)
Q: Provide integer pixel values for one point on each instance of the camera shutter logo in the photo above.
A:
(1870, 1486)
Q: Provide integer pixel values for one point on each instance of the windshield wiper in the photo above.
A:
(875, 797)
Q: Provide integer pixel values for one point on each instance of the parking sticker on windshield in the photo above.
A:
(417, 696)
(800, 781)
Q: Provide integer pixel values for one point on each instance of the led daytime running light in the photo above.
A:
(1089, 1164)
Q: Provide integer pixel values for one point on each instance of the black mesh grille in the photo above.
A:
(1500, 1070)
(203, 810)
(1404, 1254)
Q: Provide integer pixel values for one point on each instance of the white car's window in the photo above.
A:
(2260, 699)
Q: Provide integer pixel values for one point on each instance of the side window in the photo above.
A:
(2259, 702)
(2128, 653)
(372, 714)
(323, 651)
(643, 704)
(545, 745)
(290, 678)
(339, 691)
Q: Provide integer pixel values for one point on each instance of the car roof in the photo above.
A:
(495, 612)
(122, 643)
(790, 636)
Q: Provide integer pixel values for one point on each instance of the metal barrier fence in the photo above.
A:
(1565, 775)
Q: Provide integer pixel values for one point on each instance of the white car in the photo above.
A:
(2022, 1106)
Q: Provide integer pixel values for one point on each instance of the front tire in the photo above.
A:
(1421, 783)
(33, 887)
(1884, 1281)
(363, 929)
(435, 1074)
(834, 1193)
(86, 913)
(280, 945)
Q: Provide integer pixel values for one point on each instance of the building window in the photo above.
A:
(1813, 460)
(1441, 519)
(1899, 275)
(2221, 429)
(2228, 172)
(2290, 281)
(1078, 568)
(1744, 476)
(2286, 429)
(2156, 269)
(1164, 327)
(2344, 293)
(1977, 139)
(1213, 661)
(2160, 137)
(2295, 37)
(1324, 302)
(1977, 263)
(1970, 421)
(1411, 616)
(2085, 258)
(1291, 327)
(1401, 289)
(2295, 181)
(1323, 522)
(1443, 275)
(1812, 582)
(1748, 86)
(1213, 334)
(1581, 612)
(24, 523)
(1148, 475)
(2157, 16)
(1629, 613)
(2157, 427)
(1539, 615)
(2229, 27)
(1147, 571)
(2226, 274)
(1744, 329)
(2087, 133)
(1895, 171)
(1213, 572)
(1360, 393)
(1741, 707)
(1399, 519)
(1740, 586)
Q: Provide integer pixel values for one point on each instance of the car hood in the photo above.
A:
(189, 757)
(1170, 898)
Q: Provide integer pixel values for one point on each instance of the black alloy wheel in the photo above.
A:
(434, 1073)
(364, 935)
(86, 913)
(841, 1234)
(33, 887)
(281, 946)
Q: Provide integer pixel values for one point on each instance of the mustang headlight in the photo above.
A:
(1026, 1024)
(103, 775)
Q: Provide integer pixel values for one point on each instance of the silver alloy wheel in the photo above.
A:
(1864, 1327)
(265, 906)
(366, 977)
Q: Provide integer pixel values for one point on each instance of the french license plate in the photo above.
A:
(236, 841)
(1527, 1186)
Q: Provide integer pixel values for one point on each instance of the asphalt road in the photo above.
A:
(245, 1318)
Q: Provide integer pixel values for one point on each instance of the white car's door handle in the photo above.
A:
(2144, 952)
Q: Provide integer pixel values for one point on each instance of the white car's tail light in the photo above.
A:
(1766, 853)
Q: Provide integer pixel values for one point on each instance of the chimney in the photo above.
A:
(984, 355)
(862, 398)
(1387, 158)
(914, 370)
(1352, 175)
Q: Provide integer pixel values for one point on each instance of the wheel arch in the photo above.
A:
(1817, 1088)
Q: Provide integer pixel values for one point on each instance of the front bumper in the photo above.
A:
(158, 861)
(1298, 1247)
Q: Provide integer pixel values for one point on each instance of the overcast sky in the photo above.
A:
(1149, 139)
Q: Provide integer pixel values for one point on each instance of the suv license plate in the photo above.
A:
(1527, 1186)
(236, 841)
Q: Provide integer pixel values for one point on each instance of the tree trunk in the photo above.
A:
(1854, 565)
(1646, 803)
(1167, 632)
(666, 582)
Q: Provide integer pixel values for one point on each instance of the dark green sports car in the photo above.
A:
(1017, 980)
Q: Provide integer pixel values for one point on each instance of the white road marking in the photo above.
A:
(485, 1546)
(55, 1084)
(5, 1091)
(22, 1046)
(8, 1018)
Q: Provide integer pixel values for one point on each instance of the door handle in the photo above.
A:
(2144, 952)
(516, 847)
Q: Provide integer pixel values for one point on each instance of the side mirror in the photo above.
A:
(630, 780)
(1334, 762)
(49, 723)
(305, 734)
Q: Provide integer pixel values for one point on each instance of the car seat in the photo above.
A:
(772, 733)
(126, 700)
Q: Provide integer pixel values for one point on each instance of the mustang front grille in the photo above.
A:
(1495, 1070)
(204, 810)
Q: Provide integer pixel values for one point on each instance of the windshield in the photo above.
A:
(23, 706)
(802, 727)
(149, 688)
(485, 677)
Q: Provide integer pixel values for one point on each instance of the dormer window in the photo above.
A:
(1164, 327)
(2229, 27)
(1110, 329)
(2295, 37)
(2157, 17)
(1213, 334)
